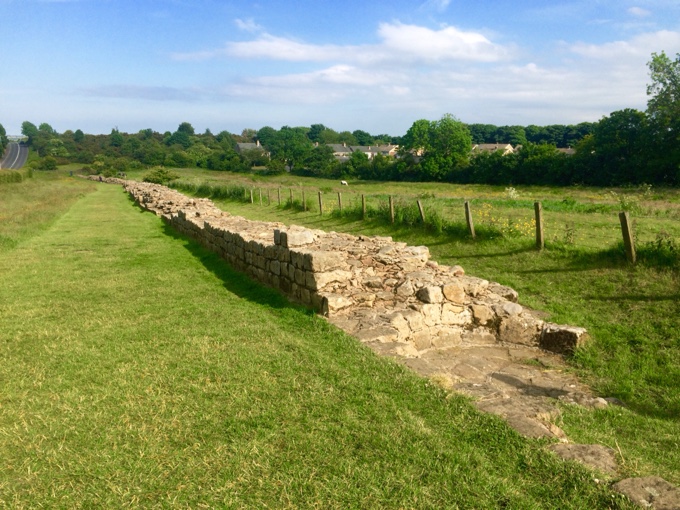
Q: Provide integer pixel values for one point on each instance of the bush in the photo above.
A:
(160, 175)
(8, 176)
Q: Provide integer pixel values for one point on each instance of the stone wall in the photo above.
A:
(372, 287)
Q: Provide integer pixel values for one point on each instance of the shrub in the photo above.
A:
(160, 175)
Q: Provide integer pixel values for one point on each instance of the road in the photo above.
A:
(15, 156)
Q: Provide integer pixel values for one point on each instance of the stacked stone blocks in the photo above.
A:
(374, 288)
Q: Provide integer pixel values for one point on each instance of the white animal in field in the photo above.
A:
(344, 183)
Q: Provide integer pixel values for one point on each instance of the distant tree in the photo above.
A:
(295, 146)
(29, 129)
(320, 161)
(3, 140)
(78, 136)
(187, 128)
(116, 139)
(315, 132)
(443, 146)
(47, 129)
(663, 110)
(362, 137)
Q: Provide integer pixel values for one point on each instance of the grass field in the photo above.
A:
(137, 370)
(631, 311)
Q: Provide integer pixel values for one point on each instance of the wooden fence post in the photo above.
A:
(340, 202)
(540, 237)
(252, 201)
(260, 190)
(391, 209)
(278, 195)
(363, 206)
(320, 205)
(291, 196)
(422, 211)
(627, 230)
(269, 196)
(468, 218)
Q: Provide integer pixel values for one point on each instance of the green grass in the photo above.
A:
(138, 370)
(631, 312)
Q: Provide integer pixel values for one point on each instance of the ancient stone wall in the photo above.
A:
(376, 289)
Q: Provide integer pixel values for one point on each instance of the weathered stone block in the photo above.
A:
(301, 277)
(479, 336)
(455, 315)
(430, 294)
(297, 238)
(317, 281)
(482, 314)
(520, 329)
(422, 340)
(405, 289)
(454, 292)
(432, 314)
(562, 339)
(321, 261)
(507, 309)
(414, 318)
(504, 292)
(381, 334)
(334, 302)
(447, 337)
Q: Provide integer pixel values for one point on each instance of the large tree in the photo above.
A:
(443, 146)
(663, 109)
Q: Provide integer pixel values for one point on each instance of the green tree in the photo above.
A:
(3, 140)
(30, 130)
(663, 110)
(443, 146)
(320, 161)
(362, 137)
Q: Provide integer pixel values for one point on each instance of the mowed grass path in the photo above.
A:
(137, 370)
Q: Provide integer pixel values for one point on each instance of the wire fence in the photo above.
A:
(566, 222)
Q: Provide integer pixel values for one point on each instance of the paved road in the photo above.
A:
(15, 156)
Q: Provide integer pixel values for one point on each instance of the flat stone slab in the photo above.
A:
(650, 492)
(594, 456)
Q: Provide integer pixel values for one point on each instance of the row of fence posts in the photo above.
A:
(624, 218)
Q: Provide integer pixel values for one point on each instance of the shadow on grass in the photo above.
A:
(234, 281)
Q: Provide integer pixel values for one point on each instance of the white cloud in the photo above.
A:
(639, 12)
(449, 43)
(248, 25)
(438, 5)
(406, 42)
(640, 46)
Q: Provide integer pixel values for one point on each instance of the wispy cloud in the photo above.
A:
(248, 25)
(437, 5)
(141, 92)
(639, 12)
(408, 42)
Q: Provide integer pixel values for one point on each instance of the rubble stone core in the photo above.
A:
(374, 288)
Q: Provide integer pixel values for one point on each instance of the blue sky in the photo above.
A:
(371, 65)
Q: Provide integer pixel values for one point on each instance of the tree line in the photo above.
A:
(625, 147)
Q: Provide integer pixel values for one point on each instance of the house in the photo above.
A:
(567, 152)
(342, 151)
(505, 148)
(249, 146)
